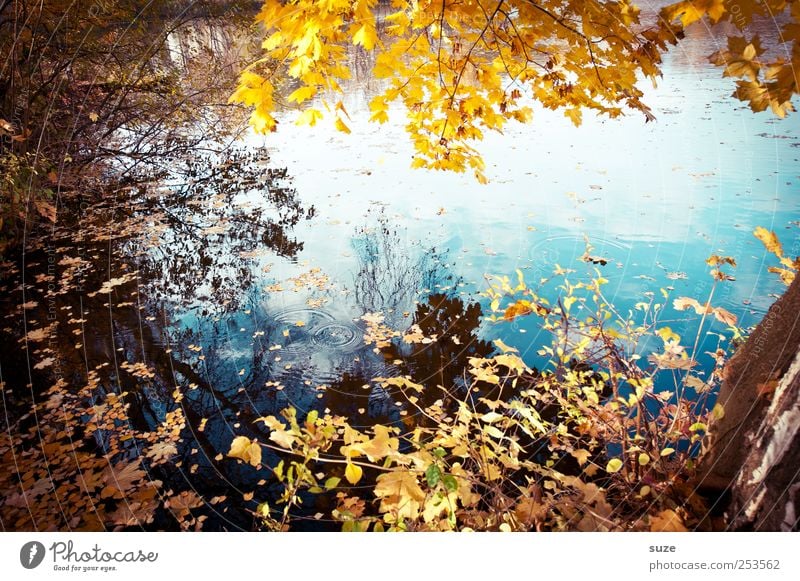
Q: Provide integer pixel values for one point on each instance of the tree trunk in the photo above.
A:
(754, 455)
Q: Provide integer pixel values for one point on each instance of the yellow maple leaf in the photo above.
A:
(366, 36)
(380, 446)
(400, 494)
(302, 94)
(309, 117)
(690, 11)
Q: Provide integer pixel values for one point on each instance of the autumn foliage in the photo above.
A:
(597, 441)
(460, 69)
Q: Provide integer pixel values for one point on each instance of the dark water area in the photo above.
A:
(253, 281)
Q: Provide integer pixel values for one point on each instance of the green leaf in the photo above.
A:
(439, 452)
(332, 482)
(450, 482)
(614, 465)
(433, 475)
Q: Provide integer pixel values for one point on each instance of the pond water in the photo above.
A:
(248, 289)
(654, 200)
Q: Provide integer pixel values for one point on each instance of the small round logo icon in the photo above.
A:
(31, 554)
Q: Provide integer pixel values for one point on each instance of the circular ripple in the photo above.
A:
(310, 317)
(301, 323)
(338, 336)
(313, 330)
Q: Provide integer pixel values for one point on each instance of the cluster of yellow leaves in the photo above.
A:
(114, 282)
(313, 279)
(690, 11)
(461, 69)
(377, 332)
(458, 68)
(453, 473)
(432, 478)
(164, 440)
(521, 449)
(762, 83)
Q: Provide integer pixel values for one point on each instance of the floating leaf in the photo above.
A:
(697, 383)
(725, 316)
(770, 240)
(518, 309)
(683, 303)
(503, 347)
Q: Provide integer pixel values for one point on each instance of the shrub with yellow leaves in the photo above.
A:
(588, 443)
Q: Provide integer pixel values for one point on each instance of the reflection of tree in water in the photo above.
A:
(212, 217)
(393, 272)
(411, 286)
(442, 362)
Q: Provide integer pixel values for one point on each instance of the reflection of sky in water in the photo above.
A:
(653, 199)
